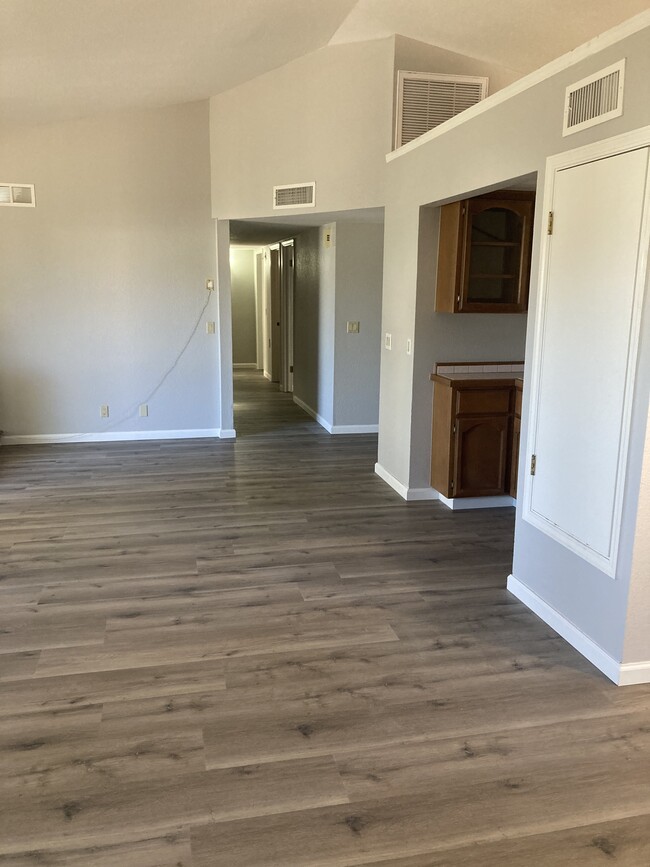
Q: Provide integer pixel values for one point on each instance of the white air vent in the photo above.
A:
(427, 99)
(594, 99)
(294, 196)
(21, 195)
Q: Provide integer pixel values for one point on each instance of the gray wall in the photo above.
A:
(336, 374)
(511, 140)
(314, 306)
(244, 331)
(359, 269)
(103, 282)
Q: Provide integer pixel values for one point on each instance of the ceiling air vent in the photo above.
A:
(21, 195)
(427, 99)
(594, 99)
(294, 196)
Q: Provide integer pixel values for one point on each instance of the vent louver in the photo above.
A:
(20, 195)
(425, 100)
(294, 196)
(594, 99)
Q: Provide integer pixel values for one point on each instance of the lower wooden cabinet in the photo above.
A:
(475, 438)
(481, 456)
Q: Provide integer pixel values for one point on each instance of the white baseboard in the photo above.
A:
(267, 375)
(251, 365)
(631, 673)
(112, 436)
(312, 412)
(623, 674)
(498, 502)
(228, 434)
(403, 490)
(355, 429)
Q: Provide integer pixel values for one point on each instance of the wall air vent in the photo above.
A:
(427, 99)
(20, 195)
(294, 196)
(594, 99)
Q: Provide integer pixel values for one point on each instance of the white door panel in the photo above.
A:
(581, 391)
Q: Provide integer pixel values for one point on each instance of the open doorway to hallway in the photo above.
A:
(315, 288)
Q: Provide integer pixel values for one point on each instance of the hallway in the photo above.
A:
(218, 654)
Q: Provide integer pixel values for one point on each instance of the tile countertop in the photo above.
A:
(481, 378)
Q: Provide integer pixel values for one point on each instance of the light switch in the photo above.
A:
(210, 327)
(388, 340)
(353, 327)
(409, 346)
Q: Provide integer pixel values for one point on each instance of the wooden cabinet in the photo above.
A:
(516, 436)
(475, 438)
(484, 253)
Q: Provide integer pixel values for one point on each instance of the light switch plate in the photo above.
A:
(388, 341)
(353, 327)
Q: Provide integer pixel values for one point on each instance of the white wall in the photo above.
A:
(244, 331)
(511, 140)
(326, 117)
(103, 282)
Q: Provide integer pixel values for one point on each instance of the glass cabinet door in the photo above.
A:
(496, 260)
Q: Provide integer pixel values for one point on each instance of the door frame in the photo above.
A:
(287, 285)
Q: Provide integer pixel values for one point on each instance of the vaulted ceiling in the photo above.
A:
(62, 59)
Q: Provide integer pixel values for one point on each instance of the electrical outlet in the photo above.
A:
(144, 410)
(210, 327)
(388, 341)
(103, 411)
(209, 284)
(353, 327)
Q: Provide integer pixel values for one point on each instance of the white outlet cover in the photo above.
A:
(388, 340)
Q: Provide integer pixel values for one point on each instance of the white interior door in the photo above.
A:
(585, 353)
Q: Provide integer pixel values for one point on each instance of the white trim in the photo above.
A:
(355, 429)
(422, 494)
(401, 489)
(460, 503)
(228, 434)
(248, 364)
(579, 156)
(569, 631)
(631, 673)
(583, 52)
(405, 492)
(113, 436)
(267, 375)
(312, 412)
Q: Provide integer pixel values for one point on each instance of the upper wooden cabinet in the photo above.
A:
(484, 253)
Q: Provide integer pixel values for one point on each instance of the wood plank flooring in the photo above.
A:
(255, 653)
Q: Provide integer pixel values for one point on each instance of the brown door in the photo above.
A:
(481, 452)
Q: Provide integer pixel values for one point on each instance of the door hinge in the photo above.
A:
(533, 464)
(549, 228)
(452, 485)
(453, 430)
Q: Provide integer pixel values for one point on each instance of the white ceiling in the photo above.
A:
(63, 59)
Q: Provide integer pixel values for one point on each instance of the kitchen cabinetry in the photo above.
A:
(484, 253)
(516, 435)
(474, 449)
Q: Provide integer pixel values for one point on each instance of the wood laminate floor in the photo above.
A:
(255, 653)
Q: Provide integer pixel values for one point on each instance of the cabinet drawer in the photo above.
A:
(483, 400)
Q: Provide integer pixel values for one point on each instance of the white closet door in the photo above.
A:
(585, 353)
